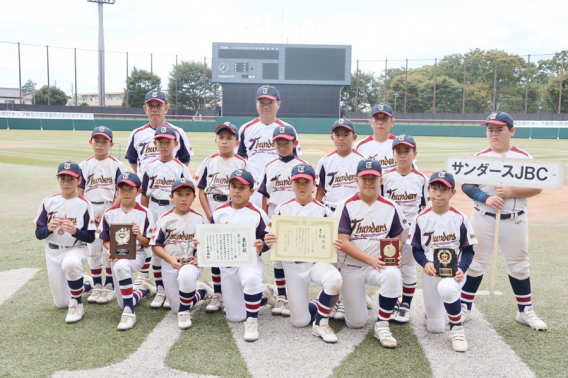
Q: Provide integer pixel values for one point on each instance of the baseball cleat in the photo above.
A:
(95, 294)
(139, 280)
(107, 295)
(184, 319)
(281, 303)
(324, 331)
(286, 310)
(159, 300)
(251, 329)
(127, 321)
(369, 302)
(459, 343)
(466, 313)
(394, 312)
(216, 303)
(340, 312)
(530, 318)
(403, 314)
(167, 304)
(207, 287)
(147, 285)
(89, 281)
(268, 293)
(383, 333)
(75, 311)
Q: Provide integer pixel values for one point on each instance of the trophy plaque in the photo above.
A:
(445, 261)
(390, 251)
(122, 242)
(187, 249)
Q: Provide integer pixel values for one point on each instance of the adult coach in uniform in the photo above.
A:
(514, 225)
(256, 136)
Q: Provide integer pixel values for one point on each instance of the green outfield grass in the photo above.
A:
(37, 342)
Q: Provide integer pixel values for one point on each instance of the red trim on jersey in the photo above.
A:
(252, 207)
(515, 149)
(112, 158)
(286, 203)
(239, 157)
(389, 171)
(55, 195)
(457, 212)
(166, 213)
(303, 161)
(278, 122)
(358, 153)
(83, 198)
(117, 206)
(424, 213)
(228, 204)
(419, 173)
(383, 200)
(273, 161)
(318, 203)
(89, 158)
(392, 136)
(353, 199)
(328, 155)
(196, 213)
(180, 163)
(139, 207)
(366, 140)
(140, 129)
(484, 151)
(256, 120)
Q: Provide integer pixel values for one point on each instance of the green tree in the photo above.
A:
(139, 83)
(478, 98)
(29, 86)
(414, 104)
(190, 86)
(370, 92)
(551, 93)
(448, 95)
(57, 96)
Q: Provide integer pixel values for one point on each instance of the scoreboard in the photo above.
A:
(262, 63)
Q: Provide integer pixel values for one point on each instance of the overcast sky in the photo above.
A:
(377, 30)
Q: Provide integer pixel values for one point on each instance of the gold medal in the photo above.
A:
(390, 250)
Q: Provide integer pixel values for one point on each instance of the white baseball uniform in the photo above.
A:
(65, 254)
(381, 151)
(213, 177)
(300, 274)
(366, 225)
(451, 229)
(171, 230)
(338, 177)
(237, 282)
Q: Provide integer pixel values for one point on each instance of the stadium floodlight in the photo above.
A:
(101, 50)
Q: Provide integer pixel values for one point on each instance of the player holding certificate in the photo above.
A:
(299, 274)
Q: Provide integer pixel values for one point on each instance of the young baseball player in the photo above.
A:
(159, 177)
(175, 227)
(212, 178)
(364, 219)
(66, 222)
(300, 274)
(407, 187)
(256, 136)
(129, 211)
(379, 145)
(276, 188)
(98, 185)
(242, 286)
(442, 225)
(514, 226)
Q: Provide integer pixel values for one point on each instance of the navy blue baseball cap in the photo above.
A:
(129, 178)
(183, 182)
(499, 119)
(243, 176)
(343, 122)
(69, 168)
(167, 132)
(443, 177)
(382, 108)
(369, 167)
(227, 126)
(156, 96)
(406, 140)
(284, 132)
(303, 171)
(102, 130)
(266, 91)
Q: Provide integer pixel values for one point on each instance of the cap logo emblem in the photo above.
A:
(102, 129)
(369, 165)
(401, 138)
(66, 166)
(163, 129)
(183, 180)
(441, 174)
(301, 169)
(341, 121)
(381, 107)
(282, 129)
(493, 115)
(264, 90)
(154, 94)
(227, 124)
(239, 172)
(125, 175)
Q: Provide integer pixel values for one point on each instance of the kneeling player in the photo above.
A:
(175, 227)
(442, 225)
(364, 219)
(300, 274)
(128, 211)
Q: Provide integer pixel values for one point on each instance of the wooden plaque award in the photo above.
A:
(445, 261)
(390, 251)
(122, 242)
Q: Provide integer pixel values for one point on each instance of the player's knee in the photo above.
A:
(301, 322)
(72, 269)
(357, 322)
(332, 283)
(120, 271)
(449, 290)
(252, 284)
(520, 270)
(392, 282)
(476, 269)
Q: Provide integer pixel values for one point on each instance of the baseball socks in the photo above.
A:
(77, 287)
(459, 343)
(321, 327)
(160, 298)
(97, 275)
(129, 299)
(186, 303)
(217, 299)
(403, 312)
(281, 307)
(526, 314)
(107, 293)
(382, 330)
(468, 292)
(252, 303)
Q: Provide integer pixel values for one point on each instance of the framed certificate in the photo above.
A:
(306, 239)
(122, 242)
(226, 245)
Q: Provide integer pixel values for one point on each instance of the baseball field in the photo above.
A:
(35, 341)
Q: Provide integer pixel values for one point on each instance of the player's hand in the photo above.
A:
(195, 242)
(430, 269)
(337, 245)
(194, 261)
(400, 259)
(53, 224)
(270, 239)
(377, 263)
(98, 220)
(259, 245)
(69, 227)
(503, 191)
(109, 258)
(136, 230)
(459, 275)
(175, 262)
(495, 202)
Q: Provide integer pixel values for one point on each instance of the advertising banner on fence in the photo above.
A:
(548, 124)
(46, 115)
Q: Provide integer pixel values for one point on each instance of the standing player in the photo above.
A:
(514, 225)
(256, 135)
(300, 274)
(66, 222)
(212, 178)
(98, 185)
(407, 187)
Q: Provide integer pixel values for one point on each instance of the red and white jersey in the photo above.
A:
(173, 229)
(275, 181)
(410, 192)
(512, 205)
(78, 210)
(338, 176)
(160, 176)
(99, 178)
(257, 146)
(381, 151)
(213, 173)
(451, 229)
(248, 214)
(367, 224)
(141, 148)
(139, 215)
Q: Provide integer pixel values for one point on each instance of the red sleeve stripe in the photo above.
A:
(139, 207)
(519, 151)
(383, 200)
(484, 151)
(141, 128)
(358, 153)
(392, 136)
(366, 140)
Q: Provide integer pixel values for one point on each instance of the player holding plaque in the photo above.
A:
(390, 251)
(122, 241)
(435, 233)
(445, 261)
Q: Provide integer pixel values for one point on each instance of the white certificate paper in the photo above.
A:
(226, 245)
